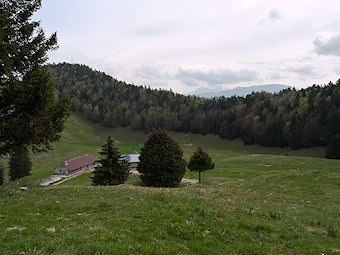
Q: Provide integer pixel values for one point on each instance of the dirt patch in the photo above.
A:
(51, 230)
(189, 181)
(316, 231)
(264, 164)
(184, 247)
(16, 228)
(134, 172)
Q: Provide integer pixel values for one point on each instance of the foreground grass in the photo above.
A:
(256, 201)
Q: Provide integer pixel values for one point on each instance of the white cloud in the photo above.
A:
(337, 70)
(304, 70)
(329, 47)
(216, 77)
(272, 16)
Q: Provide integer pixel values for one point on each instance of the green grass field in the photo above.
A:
(257, 200)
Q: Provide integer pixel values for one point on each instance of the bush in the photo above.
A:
(20, 164)
(161, 163)
(1, 175)
(333, 148)
(113, 170)
(200, 161)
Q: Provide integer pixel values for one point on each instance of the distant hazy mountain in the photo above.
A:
(239, 91)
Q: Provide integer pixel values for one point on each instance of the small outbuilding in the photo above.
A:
(77, 164)
(132, 159)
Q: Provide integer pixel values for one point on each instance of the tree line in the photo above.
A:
(295, 118)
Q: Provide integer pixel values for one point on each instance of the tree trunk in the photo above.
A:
(199, 176)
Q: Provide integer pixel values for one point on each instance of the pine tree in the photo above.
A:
(20, 163)
(333, 148)
(161, 163)
(113, 169)
(200, 161)
(31, 115)
(2, 172)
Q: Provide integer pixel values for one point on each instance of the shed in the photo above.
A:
(77, 164)
(132, 159)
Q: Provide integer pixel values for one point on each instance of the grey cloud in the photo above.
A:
(337, 70)
(215, 77)
(150, 72)
(330, 47)
(276, 76)
(273, 15)
(303, 70)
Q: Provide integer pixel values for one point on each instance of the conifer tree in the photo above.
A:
(161, 163)
(113, 170)
(20, 163)
(333, 148)
(200, 161)
(31, 115)
(2, 172)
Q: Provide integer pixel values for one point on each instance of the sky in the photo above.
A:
(184, 45)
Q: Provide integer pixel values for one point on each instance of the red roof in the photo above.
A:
(76, 163)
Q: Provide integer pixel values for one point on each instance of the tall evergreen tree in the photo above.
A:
(20, 163)
(200, 161)
(161, 163)
(31, 116)
(113, 170)
(333, 148)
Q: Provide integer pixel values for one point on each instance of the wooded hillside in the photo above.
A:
(294, 118)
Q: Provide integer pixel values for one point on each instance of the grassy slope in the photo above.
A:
(242, 207)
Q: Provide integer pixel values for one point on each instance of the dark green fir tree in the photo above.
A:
(200, 161)
(19, 164)
(161, 163)
(31, 115)
(113, 170)
(333, 148)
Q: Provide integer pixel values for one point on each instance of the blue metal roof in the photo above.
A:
(131, 158)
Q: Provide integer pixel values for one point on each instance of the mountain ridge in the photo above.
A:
(295, 118)
(239, 91)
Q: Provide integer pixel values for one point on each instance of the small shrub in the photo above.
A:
(331, 231)
(274, 215)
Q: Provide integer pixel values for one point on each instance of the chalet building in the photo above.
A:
(132, 159)
(77, 164)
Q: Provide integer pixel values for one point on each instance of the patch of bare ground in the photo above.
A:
(19, 228)
(189, 181)
(264, 164)
(316, 231)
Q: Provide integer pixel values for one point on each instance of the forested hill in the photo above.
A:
(303, 118)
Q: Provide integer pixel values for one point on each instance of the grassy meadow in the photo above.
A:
(257, 200)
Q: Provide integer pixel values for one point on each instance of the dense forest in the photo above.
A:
(295, 118)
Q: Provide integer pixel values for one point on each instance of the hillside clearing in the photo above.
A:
(253, 202)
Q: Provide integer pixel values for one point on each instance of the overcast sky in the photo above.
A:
(187, 44)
